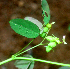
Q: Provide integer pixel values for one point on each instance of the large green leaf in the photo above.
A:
(46, 10)
(24, 28)
(24, 64)
(35, 21)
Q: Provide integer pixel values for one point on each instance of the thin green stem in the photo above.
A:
(40, 60)
(22, 49)
(27, 50)
(30, 48)
(17, 54)
(5, 61)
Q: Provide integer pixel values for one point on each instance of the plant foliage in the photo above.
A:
(25, 64)
(24, 28)
(29, 27)
(35, 21)
(64, 67)
(46, 10)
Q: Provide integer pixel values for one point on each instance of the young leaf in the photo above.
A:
(24, 28)
(48, 48)
(46, 10)
(25, 64)
(52, 44)
(50, 38)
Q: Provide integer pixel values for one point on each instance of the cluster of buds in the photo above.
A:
(45, 30)
(53, 42)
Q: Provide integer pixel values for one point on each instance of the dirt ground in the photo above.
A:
(11, 42)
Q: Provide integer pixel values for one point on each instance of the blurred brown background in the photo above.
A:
(11, 42)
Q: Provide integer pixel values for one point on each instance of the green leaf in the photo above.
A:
(46, 10)
(48, 48)
(24, 28)
(25, 64)
(64, 67)
(35, 21)
(52, 44)
(45, 6)
(50, 38)
(69, 27)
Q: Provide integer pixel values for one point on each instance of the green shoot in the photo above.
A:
(32, 28)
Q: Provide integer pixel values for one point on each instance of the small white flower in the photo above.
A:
(53, 23)
(64, 39)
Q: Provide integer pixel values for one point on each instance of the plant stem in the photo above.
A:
(40, 60)
(30, 48)
(5, 61)
(25, 58)
(17, 54)
(22, 49)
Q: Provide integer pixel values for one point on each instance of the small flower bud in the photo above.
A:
(52, 44)
(57, 40)
(48, 49)
(45, 29)
(50, 38)
(43, 34)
